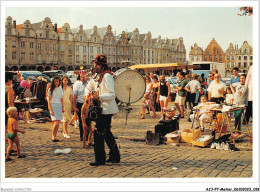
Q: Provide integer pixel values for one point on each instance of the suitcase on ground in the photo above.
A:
(167, 126)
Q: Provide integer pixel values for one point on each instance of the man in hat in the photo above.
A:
(106, 96)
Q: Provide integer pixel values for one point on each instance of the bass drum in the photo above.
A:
(129, 83)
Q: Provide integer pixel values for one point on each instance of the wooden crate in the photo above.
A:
(188, 135)
(202, 144)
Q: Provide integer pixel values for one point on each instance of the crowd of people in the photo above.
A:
(62, 100)
(194, 88)
(98, 87)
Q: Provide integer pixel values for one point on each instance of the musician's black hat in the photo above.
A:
(101, 59)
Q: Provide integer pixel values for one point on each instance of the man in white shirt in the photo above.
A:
(216, 90)
(249, 84)
(78, 100)
(240, 92)
(193, 86)
(106, 96)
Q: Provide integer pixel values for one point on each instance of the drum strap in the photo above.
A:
(102, 75)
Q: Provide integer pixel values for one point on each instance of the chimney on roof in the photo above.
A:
(14, 23)
(55, 27)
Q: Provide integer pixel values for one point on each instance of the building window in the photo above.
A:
(47, 59)
(118, 52)
(70, 48)
(54, 58)
(13, 43)
(205, 58)
(239, 64)
(104, 50)
(77, 48)
(210, 58)
(23, 56)
(251, 63)
(251, 57)
(84, 49)
(144, 52)
(39, 46)
(95, 39)
(47, 35)
(218, 52)
(245, 57)
(77, 58)
(62, 58)
(9, 31)
(109, 50)
(80, 38)
(232, 58)
(245, 50)
(31, 56)
(232, 65)
(91, 49)
(98, 50)
(84, 59)
(70, 59)
(62, 47)
(215, 58)
(245, 64)
(47, 46)
(31, 45)
(40, 59)
(54, 47)
(23, 44)
(220, 59)
(228, 57)
(239, 57)
(127, 52)
(13, 55)
(66, 36)
(207, 52)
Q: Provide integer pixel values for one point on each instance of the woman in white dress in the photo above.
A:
(67, 102)
(55, 105)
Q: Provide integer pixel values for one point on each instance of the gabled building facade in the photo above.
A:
(214, 52)
(39, 46)
(195, 54)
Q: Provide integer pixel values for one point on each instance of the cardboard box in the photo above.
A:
(203, 143)
(174, 139)
(188, 135)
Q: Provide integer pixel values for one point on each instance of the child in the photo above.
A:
(12, 126)
(229, 97)
(86, 123)
(203, 114)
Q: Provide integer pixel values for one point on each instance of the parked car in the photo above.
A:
(72, 78)
(32, 75)
(54, 73)
(70, 73)
(173, 86)
(226, 81)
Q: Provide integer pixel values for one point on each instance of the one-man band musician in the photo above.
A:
(106, 96)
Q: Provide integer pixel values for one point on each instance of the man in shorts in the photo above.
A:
(181, 95)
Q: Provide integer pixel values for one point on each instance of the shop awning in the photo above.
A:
(163, 66)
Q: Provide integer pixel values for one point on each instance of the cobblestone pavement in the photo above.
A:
(138, 160)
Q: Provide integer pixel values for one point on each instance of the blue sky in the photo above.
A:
(195, 24)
